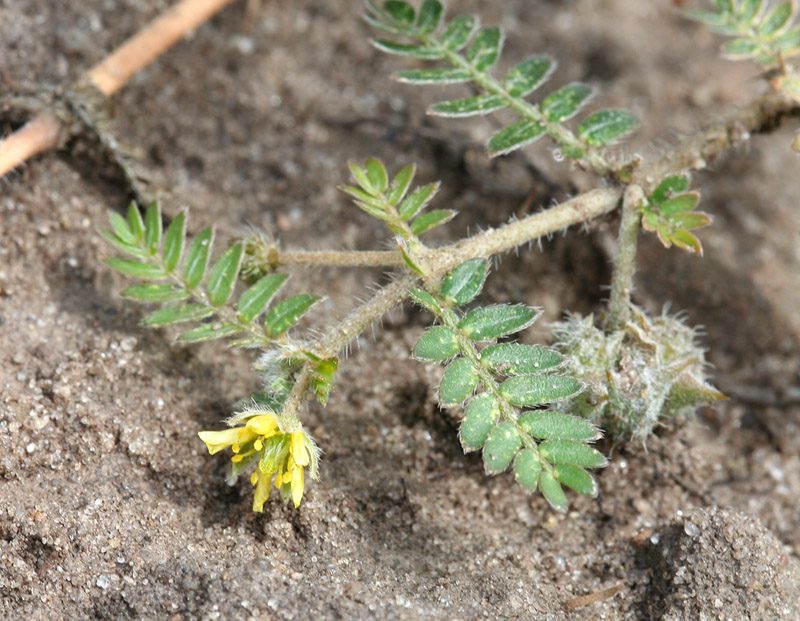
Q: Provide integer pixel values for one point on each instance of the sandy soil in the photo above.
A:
(109, 506)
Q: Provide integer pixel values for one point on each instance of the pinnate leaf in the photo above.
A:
(569, 452)
(528, 75)
(253, 301)
(152, 225)
(501, 447)
(425, 299)
(178, 314)
(679, 204)
(479, 420)
(693, 220)
(402, 13)
(513, 137)
(486, 48)
(532, 390)
(739, 49)
(565, 102)
(400, 184)
(437, 343)
(155, 293)
(459, 32)
(376, 173)
(607, 127)
(527, 469)
(173, 241)
(465, 282)
(417, 201)
(491, 322)
(121, 228)
(222, 278)
(518, 359)
(209, 332)
(433, 76)
(411, 51)
(134, 251)
(777, 20)
(471, 106)
(553, 493)
(142, 271)
(430, 16)
(197, 258)
(135, 221)
(431, 220)
(287, 313)
(576, 478)
(749, 10)
(669, 187)
(548, 425)
(459, 382)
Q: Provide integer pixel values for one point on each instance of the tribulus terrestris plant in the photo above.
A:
(534, 409)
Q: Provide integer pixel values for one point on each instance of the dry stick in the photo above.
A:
(111, 74)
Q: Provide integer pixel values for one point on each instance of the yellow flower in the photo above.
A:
(264, 425)
(262, 482)
(219, 440)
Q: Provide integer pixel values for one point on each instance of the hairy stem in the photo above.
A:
(619, 306)
(340, 258)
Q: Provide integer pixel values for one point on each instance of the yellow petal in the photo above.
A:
(262, 492)
(299, 450)
(263, 425)
(297, 486)
(254, 478)
(219, 440)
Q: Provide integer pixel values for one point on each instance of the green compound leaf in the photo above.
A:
(431, 220)
(287, 313)
(513, 137)
(114, 240)
(222, 278)
(411, 51)
(528, 75)
(500, 448)
(197, 258)
(465, 282)
(777, 20)
(565, 103)
(471, 106)
(517, 359)
(361, 177)
(155, 293)
(576, 478)
(714, 21)
(142, 271)
(459, 32)
(459, 382)
(669, 187)
(121, 228)
(485, 49)
(173, 242)
(788, 85)
(492, 322)
(548, 425)
(789, 42)
(430, 16)
(686, 241)
(178, 314)
(135, 221)
(152, 226)
(531, 390)
(400, 184)
(401, 13)
(426, 300)
(417, 201)
(607, 127)
(253, 301)
(209, 332)
(437, 344)
(569, 452)
(551, 490)
(740, 49)
(433, 76)
(679, 204)
(376, 173)
(527, 469)
(479, 420)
